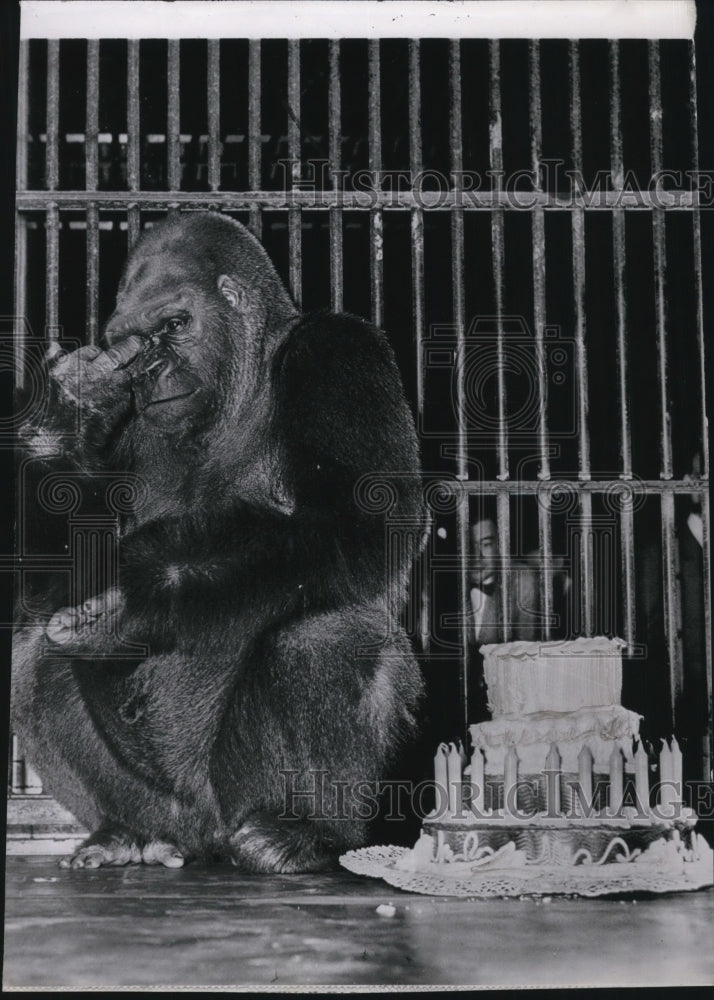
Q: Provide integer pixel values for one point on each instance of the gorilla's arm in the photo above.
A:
(89, 395)
(341, 415)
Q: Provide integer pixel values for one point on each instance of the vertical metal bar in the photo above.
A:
(335, 156)
(133, 175)
(92, 165)
(578, 238)
(706, 568)
(173, 118)
(20, 272)
(671, 607)
(671, 593)
(417, 215)
(376, 221)
(538, 254)
(18, 769)
(418, 305)
(254, 132)
(457, 278)
(52, 277)
(294, 213)
(617, 169)
(52, 123)
(214, 114)
(660, 265)
(91, 128)
(52, 181)
(497, 242)
(699, 286)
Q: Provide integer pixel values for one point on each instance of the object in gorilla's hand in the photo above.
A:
(252, 565)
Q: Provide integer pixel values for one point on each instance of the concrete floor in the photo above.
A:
(202, 926)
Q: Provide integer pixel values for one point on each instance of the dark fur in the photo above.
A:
(261, 589)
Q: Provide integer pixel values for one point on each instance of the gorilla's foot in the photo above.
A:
(162, 852)
(266, 843)
(105, 847)
(79, 625)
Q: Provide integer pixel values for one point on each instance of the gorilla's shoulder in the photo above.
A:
(338, 335)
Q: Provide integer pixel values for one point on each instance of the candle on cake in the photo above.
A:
(642, 778)
(478, 797)
(441, 780)
(454, 775)
(585, 776)
(510, 780)
(616, 775)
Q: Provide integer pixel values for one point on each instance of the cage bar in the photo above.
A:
(617, 169)
(173, 117)
(214, 113)
(20, 262)
(376, 221)
(470, 201)
(417, 215)
(538, 252)
(658, 235)
(294, 213)
(497, 243)
(52, 272)
(670, 576)
(335, 165)
(52, 124)
(699, 291)
(578, 237)
(671, 607)
(459, 307)
(418, 305)
(254, 132)
(133, 175)
(91, 131)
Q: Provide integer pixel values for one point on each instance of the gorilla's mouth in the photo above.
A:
(170, 399)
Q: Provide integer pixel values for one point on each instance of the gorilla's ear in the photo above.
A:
(231, 291)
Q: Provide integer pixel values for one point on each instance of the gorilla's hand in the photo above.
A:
(96, 381)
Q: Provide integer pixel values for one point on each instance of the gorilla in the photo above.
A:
(257, 588)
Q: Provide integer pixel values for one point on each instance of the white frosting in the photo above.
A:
(524, 678)
(600, 729)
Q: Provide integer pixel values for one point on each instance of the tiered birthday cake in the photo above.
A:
(558, 795)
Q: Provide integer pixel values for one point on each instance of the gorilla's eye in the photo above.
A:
(174, 324)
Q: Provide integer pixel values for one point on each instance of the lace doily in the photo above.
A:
(509, 876)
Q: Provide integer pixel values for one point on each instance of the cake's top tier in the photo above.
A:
(527, 677)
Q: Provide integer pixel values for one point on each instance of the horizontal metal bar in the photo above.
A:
(28, 201)
(645, 487)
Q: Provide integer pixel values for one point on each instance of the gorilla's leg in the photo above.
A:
(346, 690)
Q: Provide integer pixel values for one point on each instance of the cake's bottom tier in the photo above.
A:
(543, 841)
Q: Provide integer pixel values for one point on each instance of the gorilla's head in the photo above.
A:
(203, 294)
